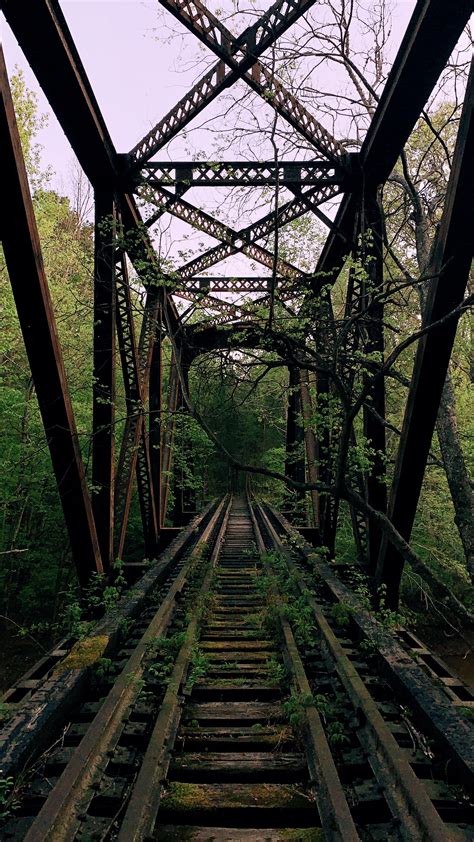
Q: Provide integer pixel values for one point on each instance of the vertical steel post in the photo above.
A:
(311, 444)
(103, 389)
(155, 412)
(127, 345)
(294, 462)
(178, 491)
(328, 508)
(184, 498)
(374, 410)
(146, 494)
(168, 434)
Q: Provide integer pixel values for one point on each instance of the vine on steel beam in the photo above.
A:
(294, 462)
(142, 255)
(374, 409)
(155, 416)
(184, 499)
(134, 451)
(356, 299)
(22, 250)
(168, 434)
(311, 445)
(133, 396)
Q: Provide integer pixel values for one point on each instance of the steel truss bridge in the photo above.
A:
(122, 183)
(97, 527)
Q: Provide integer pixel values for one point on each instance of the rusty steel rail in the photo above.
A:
(60, 815)
(330, 796)
(415, 798)
(422, 679)
(255, 727)
(144, 803)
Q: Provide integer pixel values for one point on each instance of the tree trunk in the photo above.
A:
(456, 472)
(446, 425)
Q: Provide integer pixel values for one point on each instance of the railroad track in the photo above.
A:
(243, 707)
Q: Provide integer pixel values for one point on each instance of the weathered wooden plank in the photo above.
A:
(211, 798)
(222, 767)
(246, 712)
(169, 833)
(226, 647)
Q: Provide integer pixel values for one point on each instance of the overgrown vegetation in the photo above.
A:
(240, 389)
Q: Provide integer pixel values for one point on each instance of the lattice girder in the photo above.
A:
(240, 173)
(212, 32)
(241, 55)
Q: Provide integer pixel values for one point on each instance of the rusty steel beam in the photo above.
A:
(240, 57)
(142, 254)
(133, 396)
(294, 461)
(212, 303)
(135, 448)
(146, 495)
(201, 285)
(215, 35)
(338, 243)
(150, 323)
(103, 375)
(22, 250)
(182, 496)
(134, 452)
(311, 446)
(236, 241)
(168, 434)
(431, 36)
(42, 33)
(247, 237)
(155, 416)
(240, 173)
(450, 266)
(374, 429)
(356, 337)
(429, 40)
(243, 240)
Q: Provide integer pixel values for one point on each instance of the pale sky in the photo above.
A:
(136, 79)
(140, 61)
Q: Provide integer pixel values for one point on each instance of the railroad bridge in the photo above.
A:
(240, 689)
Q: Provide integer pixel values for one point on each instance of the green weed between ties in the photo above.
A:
(8, 802)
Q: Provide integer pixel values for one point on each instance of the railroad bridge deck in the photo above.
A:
(233, 696)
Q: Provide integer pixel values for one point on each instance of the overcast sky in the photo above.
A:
(136, 77)
(140, 62)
